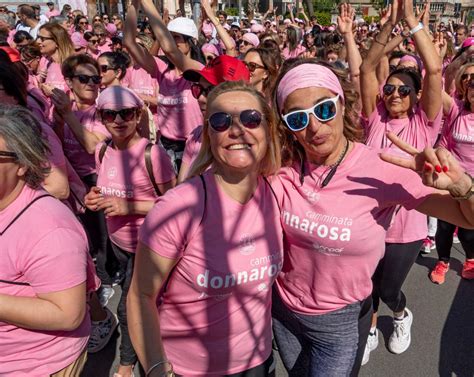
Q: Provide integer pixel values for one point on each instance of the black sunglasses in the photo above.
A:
(104, 68)
(93, 41)
(197, 90)
(8, 154)
(42, 39)
(252, 67)
(403, 90)
(221, 121)
(466, 76)
(86, 79)
(84, 23)
(100, 35)
(108, 116)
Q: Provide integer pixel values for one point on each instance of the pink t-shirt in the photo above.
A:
(458, 135)
(38, 104)
(54, 77)
(417, 130)
(140, 81)
(56, 156)
(123, 174)
(193, 145)
(178, 110)
(52, 13)
(83, 162)
(52, 258)
(105, 47)
(216, 308)
(293, 54)
(335, 236)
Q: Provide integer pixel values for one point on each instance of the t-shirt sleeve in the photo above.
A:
(172, 221)
(193, 145)
(374, 119)
(57, 262)
(448, 123)
(403, 187)
(161, 67)
(56, 155)
(162, 168)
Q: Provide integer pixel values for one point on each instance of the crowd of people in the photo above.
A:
(225, 175)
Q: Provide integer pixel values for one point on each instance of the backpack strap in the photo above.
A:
(103, 148)
(205, 198)
(22, 212)
(273, 192)
(149, 168)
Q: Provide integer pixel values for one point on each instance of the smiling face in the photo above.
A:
(397, 105)
(260, 73)
(322, 141)
(46, 43)
(238, 149)
(122, 129)
(86, 92)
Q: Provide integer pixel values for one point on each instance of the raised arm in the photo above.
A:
(369, 85)
(221, 32)
(141, 55)
(168, 45)
(431, 95)
(345, 24)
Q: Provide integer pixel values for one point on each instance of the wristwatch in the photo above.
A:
(469, 193)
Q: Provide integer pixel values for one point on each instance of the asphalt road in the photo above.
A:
(442, 332)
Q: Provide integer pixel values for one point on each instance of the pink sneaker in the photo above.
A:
(468, 270)
(438, 273)
(428, 245)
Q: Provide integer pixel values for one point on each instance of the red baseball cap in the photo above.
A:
(222, 68)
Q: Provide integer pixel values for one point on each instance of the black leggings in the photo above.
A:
(444, 240)
(391, 273)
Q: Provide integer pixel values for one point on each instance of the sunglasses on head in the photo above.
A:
(324, 111)
(104, 68)
(109, 116)
(252, 67)
(8, 154)
(86, 79)
(403, 90)
(197, 90)
(221, 121)
(466, 76)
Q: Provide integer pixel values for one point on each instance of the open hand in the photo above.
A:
(345, 18)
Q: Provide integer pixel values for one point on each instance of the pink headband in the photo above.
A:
(117, 98)
(308, 75)
(210, 49)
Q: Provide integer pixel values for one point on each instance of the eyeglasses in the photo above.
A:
(97, 19)
(466, 76)
(221, 121)
(84, 23)
(245, 43)
(252, 67)
(324, 111)
(93, 41)
(85, 79)
(403, 90)
(197, 90)
(104, 68)
(100, 35)
(43, 38)
(114, 18)
(105, 17)
(8, 154)
(109, 116)
(210, 58)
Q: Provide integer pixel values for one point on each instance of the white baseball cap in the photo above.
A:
(184, 26)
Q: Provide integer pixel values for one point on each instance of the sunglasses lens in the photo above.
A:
(127, 114)
(325, 111)
(388, 89)
(108, 115)
(196, 90)
(104, 68)
(251, 118)
(404, 90)
(220, 121)
(297, 121)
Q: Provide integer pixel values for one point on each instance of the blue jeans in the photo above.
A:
(320, 345)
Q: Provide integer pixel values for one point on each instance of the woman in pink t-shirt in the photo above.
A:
(178, 111)
(131, 174)
(411, 107)
(334, 189)
(293, 47)
(458, 138)
(45, 268)
(210, 250)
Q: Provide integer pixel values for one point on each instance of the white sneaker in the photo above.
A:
(455, 238)
(105, 293)
(401, 337)
(371, 345)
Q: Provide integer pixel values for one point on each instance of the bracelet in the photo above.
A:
(380, 43)
(170, 372)
(416, 29)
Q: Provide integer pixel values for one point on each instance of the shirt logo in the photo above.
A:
(112, 173)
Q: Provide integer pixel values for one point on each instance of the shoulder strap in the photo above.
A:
(149, 168)
(205, 198)
(103, 148)
(22, 212)
(273, 192)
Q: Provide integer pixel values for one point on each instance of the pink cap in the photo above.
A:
(468, 42)
(307, 75)
(207, 29)
(118, 97)
(287, 21)
(251, 38)
(257, 28)
(226, 26)
(111, 29)
(78, 40)
(411, 59)
(253, 22)
(210, 49)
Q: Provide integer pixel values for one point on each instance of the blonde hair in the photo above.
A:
(62, 40)
(271, 162)
(460, 92)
